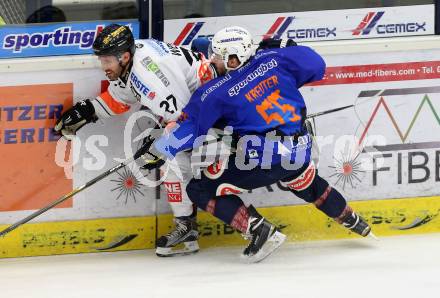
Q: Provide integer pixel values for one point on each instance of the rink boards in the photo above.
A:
(299, 223)
(393, 83)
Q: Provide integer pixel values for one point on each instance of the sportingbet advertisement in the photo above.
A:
(53, 39)
(312, 26)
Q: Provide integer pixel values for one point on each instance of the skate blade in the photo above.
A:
(272, 244)
(371, 235)
(189, 248)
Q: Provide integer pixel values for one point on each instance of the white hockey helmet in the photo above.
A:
(232, 41)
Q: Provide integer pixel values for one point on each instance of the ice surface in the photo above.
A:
(404, 266)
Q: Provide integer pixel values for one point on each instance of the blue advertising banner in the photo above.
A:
(53, 39)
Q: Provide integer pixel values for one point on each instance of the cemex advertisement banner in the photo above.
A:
(312, 26)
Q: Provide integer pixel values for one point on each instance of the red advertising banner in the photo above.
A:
(380, 73)
(29, 176)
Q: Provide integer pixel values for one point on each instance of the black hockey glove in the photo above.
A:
(151, 160)
(76, 117)
(271, 43)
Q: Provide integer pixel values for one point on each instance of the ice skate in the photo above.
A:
(180, 241)
(354, 222)
(264, 237)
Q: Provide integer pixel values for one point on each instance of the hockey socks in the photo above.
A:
(230, 209)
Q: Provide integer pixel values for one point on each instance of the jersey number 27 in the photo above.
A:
(170, 104)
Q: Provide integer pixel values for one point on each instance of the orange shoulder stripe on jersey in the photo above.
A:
(116, 106)
(204, 72)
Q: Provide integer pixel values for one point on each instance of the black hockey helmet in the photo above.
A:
(114, 40)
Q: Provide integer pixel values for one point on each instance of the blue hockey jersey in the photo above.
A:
(261, 96)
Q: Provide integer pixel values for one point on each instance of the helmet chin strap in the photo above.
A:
(125, 68)
(120, 60)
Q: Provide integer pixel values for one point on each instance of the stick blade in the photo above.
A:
(118, 242)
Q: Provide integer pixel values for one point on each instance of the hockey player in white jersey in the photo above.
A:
(161, 77)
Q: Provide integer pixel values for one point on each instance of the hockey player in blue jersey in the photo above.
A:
(259, 99)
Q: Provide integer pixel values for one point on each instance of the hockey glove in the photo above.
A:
(76, 117)
(271, 43)
(151, 160)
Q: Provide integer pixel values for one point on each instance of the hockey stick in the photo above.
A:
(310, 116)
(107, 173)
(118, 242)
(329, 111)
(67, 196)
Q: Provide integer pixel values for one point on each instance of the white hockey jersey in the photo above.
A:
(162, 78)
